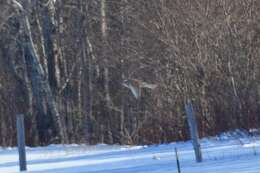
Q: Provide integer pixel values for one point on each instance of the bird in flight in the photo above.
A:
(136, 86)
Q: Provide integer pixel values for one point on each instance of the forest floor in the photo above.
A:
(225, 153)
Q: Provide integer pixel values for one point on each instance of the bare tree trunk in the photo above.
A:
(82, 58)
(42, 49)
(33, 130)
(40, 86)
(124, 53)
(103, 11)
(51, 46)
(87, 74)
(105, 44)
(89, 91)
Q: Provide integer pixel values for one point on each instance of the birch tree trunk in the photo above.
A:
(50, 44)
(40, 87)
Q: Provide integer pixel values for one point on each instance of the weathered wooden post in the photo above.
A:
(21, 141)
(193, 131)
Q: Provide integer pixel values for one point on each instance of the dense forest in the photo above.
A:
(120, 71)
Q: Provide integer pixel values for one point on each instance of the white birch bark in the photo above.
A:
(40, 86)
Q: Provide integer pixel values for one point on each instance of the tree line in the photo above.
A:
(65, 64)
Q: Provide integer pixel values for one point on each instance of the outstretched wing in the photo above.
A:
(150, 86)
(135, 91)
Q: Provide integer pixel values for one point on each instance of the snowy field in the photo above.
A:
(226, 154)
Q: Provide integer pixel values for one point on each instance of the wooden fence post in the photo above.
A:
(21, 141)
(193, 131)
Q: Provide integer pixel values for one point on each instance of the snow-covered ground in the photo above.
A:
(225, 153)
